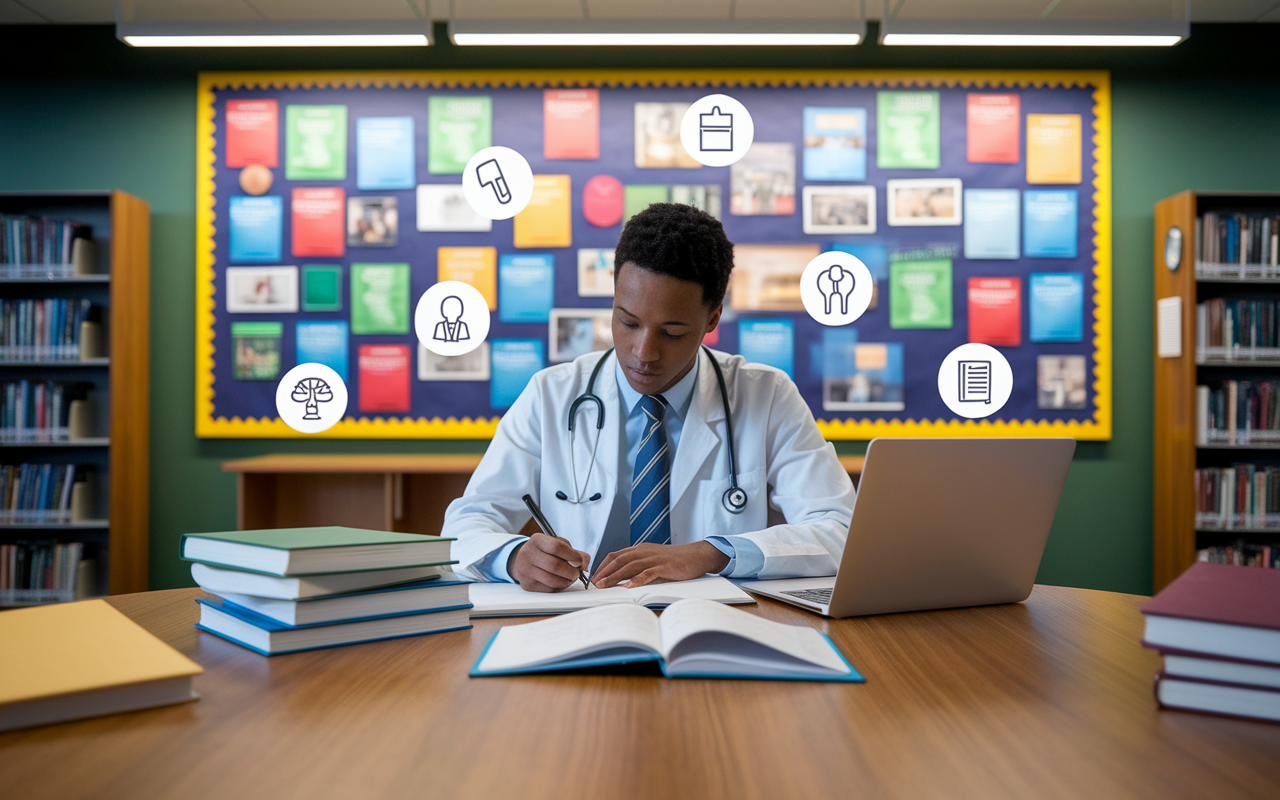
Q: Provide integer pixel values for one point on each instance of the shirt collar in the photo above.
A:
(678, 397)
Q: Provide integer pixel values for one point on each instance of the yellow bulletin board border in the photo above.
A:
(1098, 428)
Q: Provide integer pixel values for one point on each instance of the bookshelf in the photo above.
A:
(111, 523)
(1184, 273)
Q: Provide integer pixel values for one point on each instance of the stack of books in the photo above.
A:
(290, 589)
(1218, 628)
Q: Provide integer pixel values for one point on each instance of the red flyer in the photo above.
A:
(384, 377)
(571, 124)
(994, 129)
(319, 218)
(253, 133)
(995, 311)
(602, 201)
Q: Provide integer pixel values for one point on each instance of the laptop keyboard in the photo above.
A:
(820, 596)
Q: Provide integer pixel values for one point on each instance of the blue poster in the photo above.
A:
(514, 363)
(1057, 307)
(833, 340)
(991, 223)
(256, 229)
(384, 153)
(526, 287)
(1049, 223)
(835, 144)
(324, 343)
(768, 341)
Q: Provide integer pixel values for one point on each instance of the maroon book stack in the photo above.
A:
(1218, 628)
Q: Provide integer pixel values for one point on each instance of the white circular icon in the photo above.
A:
(311, 398)
(452, 318)
(497, 182)
(975, 380)
(836, 288)
(717, 130)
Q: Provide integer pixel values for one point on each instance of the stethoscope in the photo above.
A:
(734, 499)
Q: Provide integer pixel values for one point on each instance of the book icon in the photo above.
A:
(975, 381)
(715, 131)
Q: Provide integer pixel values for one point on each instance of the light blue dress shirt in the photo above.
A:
(617, 532)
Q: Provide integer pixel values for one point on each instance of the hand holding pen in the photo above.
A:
(546, 565)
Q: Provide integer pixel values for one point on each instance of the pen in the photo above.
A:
(548, 530)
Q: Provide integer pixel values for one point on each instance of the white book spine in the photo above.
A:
(1202, 415)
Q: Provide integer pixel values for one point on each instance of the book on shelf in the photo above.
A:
(42, 411)
(30, 241)
(1237, 330)
(1238, 413)
(50, 329)
(510, 600)
(76, 660)
(39, 493)
(1238, 238)
(1242, 553)
(693, 638)
(33, 572)
(288, 552)
(1238, 496)
(219, 580)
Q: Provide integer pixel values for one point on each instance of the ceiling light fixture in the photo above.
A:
(641, 33)
(1032, 33)
(274, 34)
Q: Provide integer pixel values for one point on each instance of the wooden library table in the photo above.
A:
(407, 492)
(1047, 698)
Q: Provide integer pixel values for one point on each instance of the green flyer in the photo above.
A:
(459, 127)
(908, 130)
(920, 294)
(638, 197)
(379, 298)
(321, 287)
(316, 143)
(257, 350)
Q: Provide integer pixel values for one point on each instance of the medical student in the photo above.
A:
(639, 480)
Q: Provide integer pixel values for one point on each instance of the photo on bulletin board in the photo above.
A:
(979, 201)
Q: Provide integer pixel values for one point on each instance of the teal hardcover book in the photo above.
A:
(692, 639)
(311, 551)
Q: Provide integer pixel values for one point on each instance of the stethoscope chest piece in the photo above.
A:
(734, 500)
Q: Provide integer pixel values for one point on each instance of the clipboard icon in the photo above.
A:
(975, 381)
(715, 131)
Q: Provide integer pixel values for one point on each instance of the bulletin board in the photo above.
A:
(1062, 382)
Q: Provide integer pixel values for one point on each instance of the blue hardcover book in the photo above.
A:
(1050, 223)
(324, 343)
(991, 224)
(270, 637)
(768, 341)
(1057, 307)
(526, 287)
(514, 363)
(835, 144)
(256, 230)
(384, 153)
(692, 639)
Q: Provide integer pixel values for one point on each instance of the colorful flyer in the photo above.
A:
(384, 153)
(657, 137)
(995, 311)
(257, 350)
(1050, 223)
(379, 298)
(602, 201)
(835, 144)
(920, 294)
(704, 197)
(256, 229)
(315, 143)
(526, 287)
(321, 287)
(763, 182)
(373, 221)
(324, 343)
(384, 377)
(514, 363)
(992, 221)
(571, 124)
(834, 338)
(319, 216)
(768, 341)
(548, 219)
(458, 128)
(1054, 148)
(595, 272)
(908, 130)
(862, 376)
(477, 266)
(994, 128)
(1057, 307)
(253, 133)
(638, 197)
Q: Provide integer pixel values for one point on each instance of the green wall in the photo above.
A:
(78, 110)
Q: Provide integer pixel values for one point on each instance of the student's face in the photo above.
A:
(658, 325)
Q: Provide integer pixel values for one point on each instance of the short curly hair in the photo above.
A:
(680, 241)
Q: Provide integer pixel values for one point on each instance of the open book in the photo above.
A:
(509, 600)
(692, 639)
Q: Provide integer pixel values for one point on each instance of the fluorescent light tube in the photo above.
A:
(284, 40)
(1028, 40)
(642, 33)
(661, 39)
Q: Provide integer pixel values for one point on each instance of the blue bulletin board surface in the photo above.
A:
(233, 402)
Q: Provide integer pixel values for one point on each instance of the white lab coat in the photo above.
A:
(800, 498)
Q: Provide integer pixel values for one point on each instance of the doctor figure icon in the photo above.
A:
(836, 283)
(451, 328)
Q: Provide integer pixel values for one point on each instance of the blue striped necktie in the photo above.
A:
(651, 479)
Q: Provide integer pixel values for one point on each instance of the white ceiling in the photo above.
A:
(72, 12)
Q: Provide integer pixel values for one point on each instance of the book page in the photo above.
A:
(693, 617)
(573, 635)
(509, 598)
(708, 587)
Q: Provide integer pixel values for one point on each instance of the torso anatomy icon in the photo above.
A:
(452, 328)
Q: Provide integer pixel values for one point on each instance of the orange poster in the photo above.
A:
(477, 266)
(1054, 148)
(546, 221)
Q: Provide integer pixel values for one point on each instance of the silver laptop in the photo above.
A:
(940, 523)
